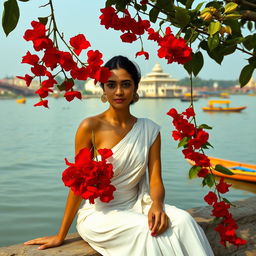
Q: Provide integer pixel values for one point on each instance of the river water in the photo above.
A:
(35, 141)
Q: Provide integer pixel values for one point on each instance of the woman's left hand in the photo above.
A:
(158, 220)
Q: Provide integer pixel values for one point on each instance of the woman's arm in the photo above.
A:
(157, 218)
(82, 139)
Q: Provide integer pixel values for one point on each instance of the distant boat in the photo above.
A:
(187, 97)
(212, 108)
(21, 100)
(242, 171)
(224, 95)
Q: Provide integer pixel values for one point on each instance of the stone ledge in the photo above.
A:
(244, 213)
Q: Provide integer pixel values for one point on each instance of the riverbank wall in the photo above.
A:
(244, 213)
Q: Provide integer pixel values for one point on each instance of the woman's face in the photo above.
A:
(120, 88)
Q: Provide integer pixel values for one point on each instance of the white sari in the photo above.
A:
(120, 227)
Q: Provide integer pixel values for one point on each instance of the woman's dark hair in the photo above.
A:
(124, 63)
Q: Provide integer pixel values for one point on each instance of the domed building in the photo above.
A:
(91, 88)
(158, 84)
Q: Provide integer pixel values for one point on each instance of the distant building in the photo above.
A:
(20, 82)
(158, 84)
(91, 88)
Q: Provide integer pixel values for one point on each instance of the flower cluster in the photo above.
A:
(132, 27)
(193, 139)
(88, 178)
(171, 48)
(52, 58)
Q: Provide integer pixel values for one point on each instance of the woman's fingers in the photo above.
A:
(163, 224)
(156, 224)
(151, 220)
(39, 240)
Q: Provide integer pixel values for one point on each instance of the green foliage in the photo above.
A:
(194, 171)
(183, 142)
(223, 169)
(11, 16)
(195, 65)
(246, 74)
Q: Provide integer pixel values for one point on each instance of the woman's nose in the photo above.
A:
(119, 90)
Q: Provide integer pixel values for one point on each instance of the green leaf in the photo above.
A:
(196, 64)
(214, 27)
(11, 16)
(183, 142)
(230, 7)
(198, 7)
(182, 17)
(121, 4)
(194, 171)
(189, 4)
(223, 169)
(204, 126)
(62, 86)
(43, 20)
(153, 14)
(249, 25)
(110, 2)
(233, 16)
(213, 42)
(209, 144)
(228, 202)
(236, 40)
(249, 42)
(209, 180)
(246, 75)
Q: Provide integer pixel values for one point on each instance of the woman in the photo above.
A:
(134, 223)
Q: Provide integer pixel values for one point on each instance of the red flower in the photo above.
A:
(43, 92)
(80, 73)
(189, 112)
(143, 53)
(220, 209)
(128, 37)
(27, 78)
(72, 94)
(177, 135)
(108, 16)
(51, 57)
(88, 178)
(79, 43)
(38, 70)
(152, 35)
(173, 113)
(203, 173)
(210, 198)
(66, 61)
(94, 58)
(143, 2)
(105, 153)
(102, 74)
(42, 103)
(49, 83)
(222, 187)
(31, 59)
(68, 85)
(38, 31)
(42, 43)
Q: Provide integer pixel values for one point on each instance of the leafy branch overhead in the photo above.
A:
(218, 28)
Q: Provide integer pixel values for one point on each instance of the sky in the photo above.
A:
(82, 16)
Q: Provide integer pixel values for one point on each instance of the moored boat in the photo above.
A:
(21, 100)
(242, 171)
(213, 108)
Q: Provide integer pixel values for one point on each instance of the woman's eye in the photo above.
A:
(126, 84)
(110, 85)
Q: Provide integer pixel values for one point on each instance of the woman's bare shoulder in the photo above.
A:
(91, 123)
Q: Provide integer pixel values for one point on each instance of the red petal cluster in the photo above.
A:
(88, 178)
(171, 48)
(194, 139)
(53, 58)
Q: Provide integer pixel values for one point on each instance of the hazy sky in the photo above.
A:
(82, 16)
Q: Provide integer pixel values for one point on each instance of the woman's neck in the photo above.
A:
(118, 116)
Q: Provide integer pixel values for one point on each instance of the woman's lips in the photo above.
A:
(119, 100)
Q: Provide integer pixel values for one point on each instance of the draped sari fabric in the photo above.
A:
(120, 227)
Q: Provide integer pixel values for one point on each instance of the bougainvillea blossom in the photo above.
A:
(79, 43)
(88, 178)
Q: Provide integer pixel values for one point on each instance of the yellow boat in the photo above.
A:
(212, 108)
(224, 95)
(21, 100)
(242, 171)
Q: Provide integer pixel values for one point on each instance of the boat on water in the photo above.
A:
(224, 95)
(187, 97)
(242, 171)
(21, 100)
(226, 108)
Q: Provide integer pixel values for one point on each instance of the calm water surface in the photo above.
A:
(35, 141)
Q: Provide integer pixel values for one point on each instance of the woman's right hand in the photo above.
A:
(46, 242)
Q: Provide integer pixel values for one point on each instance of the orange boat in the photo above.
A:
(21, 100)
(242, 171)
(212, 108)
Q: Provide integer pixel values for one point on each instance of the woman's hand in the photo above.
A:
(158, 221)
(46, 242)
